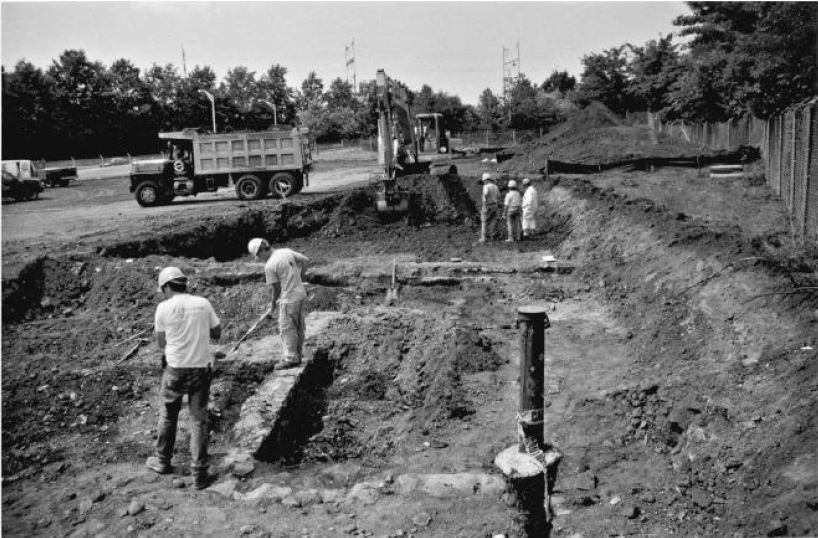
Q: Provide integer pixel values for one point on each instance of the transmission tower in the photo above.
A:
(349, 57)
(511, 70)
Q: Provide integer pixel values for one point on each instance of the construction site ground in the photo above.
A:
(681, 373)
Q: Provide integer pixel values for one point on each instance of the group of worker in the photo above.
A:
(185, 324)
(519, 209)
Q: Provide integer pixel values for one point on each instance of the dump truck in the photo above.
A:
(260, 163)
(20, 180)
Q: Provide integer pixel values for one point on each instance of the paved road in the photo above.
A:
(100, 200)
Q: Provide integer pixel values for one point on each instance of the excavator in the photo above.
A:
(398, 145)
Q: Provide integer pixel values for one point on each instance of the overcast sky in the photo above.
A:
(455, 47)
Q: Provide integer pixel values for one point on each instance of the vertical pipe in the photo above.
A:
(532, 321)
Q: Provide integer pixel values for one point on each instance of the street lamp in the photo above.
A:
(212, 107)
(275, 110)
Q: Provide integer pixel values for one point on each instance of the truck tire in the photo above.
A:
(148, 194)
(285, 184)
(249, 187)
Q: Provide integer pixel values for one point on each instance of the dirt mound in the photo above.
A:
(593, 116)
(596, 136)
(433, 199)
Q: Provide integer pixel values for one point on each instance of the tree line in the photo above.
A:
(739, 58)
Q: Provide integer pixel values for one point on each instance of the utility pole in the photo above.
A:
(212, 107)
(275, 110)
(511, 74)
(511, 70)
(184, 63)
(349, 58)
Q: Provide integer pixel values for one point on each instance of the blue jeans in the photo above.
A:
(176, 382)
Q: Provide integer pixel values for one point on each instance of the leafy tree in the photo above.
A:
(749, 55)
(26, 105)
(339, 95)
(605, 78)
(82, 96)
(274, 87)
(489, 110)
(559, 81)
(528, 108)
(312, 89)
(653, 70)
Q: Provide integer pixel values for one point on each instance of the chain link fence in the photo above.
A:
(788, 145)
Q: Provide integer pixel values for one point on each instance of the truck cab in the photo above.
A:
(274, 162)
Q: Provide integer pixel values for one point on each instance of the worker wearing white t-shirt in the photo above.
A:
(284, 272)
(184, 325)
(512, 208)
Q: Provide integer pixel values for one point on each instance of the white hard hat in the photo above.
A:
(170, 273)
(526, 181)
(512, 184)
(255, 245)
(486, 176)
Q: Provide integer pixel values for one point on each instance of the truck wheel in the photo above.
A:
(284, 185)
(147, 194)
(249, 187)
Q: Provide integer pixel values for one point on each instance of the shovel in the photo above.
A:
(221, 356)
(392, 292)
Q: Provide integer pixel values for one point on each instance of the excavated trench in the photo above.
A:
(378, 375)
(680, 372)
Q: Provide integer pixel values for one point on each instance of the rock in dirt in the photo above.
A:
(291, 501)
(332, 495)
(776, 527)
(178, 483)
(225, 488)
(629, 510)
(247, 529)
(243, 469)
(135, 507)
(422, 519)
(308, 497)
(364, 493)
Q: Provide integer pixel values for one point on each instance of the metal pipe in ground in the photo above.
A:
(530, 466)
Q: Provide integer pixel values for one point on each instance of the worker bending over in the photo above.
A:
(488, 212)
(285, 272)
(530, 204)
(512, 208)
(183, 324)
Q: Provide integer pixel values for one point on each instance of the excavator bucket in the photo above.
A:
(392, 202)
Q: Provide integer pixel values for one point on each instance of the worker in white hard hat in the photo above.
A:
(184, 324)
(284, 273)
(512, 209)
(530, 204)
(488, 211)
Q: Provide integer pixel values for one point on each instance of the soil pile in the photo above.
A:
(432, 199)
(596, 136)
(594, 116)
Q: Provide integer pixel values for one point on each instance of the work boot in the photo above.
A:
(158, 466)
(203, 479)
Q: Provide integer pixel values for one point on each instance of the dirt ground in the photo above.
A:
(680, 362)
